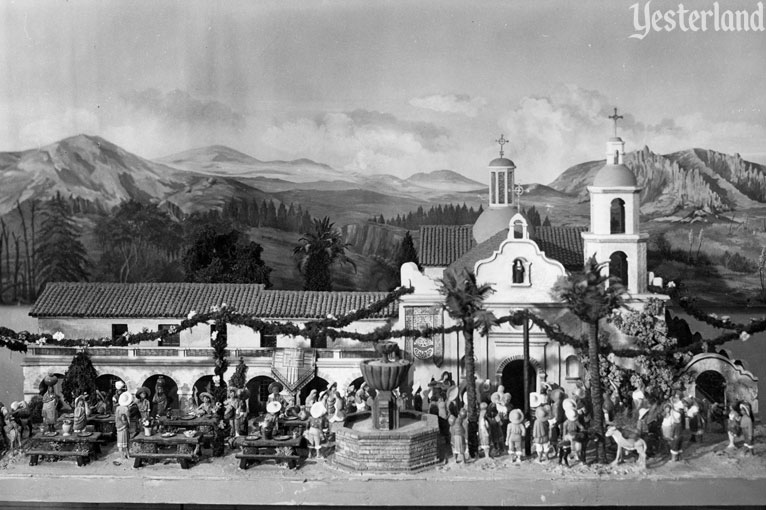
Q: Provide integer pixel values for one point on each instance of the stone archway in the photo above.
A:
(510, 373)
(739, 384)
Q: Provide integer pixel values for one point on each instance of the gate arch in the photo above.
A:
(741, 384)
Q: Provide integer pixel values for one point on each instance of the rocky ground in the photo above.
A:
(704, 467)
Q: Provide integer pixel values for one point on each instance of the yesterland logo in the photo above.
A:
(695, 20)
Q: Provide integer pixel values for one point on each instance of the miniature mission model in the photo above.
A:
(485, 364)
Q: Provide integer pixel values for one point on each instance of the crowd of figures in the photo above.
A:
(557, 425)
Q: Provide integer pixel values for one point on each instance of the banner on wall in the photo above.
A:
(424, 348)
(293, 367)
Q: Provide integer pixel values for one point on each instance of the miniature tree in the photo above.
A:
(239, 379)
(464, 302)
(318, 251)
(592, 296)
(79, 378)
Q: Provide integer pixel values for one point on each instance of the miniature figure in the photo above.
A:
(122, 422)
(81, 413)
(541, 432)
(160, 399)
(457, 434)
(746, 427)
(240, 416)
(515, 436)
(312, 398)
(484, 435)
(51, 402)
(119, 388)
(565, 450)
(270, 422)
(695, 425)
(573, 431)
(675, 435)
(142, 402)
(317, 424)
(417, 400)
(206, 407)
(733, 426)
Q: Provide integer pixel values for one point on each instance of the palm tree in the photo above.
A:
(464, 302)
(589, 297)
(318, 251)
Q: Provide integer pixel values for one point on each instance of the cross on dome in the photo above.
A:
(502, 141)
(615, 117)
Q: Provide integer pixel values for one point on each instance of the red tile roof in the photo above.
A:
(440, 245)
(176, 300)
(140, 299)
(304, 304)
(564, 244)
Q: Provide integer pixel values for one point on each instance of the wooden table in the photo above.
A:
(264, 449)
(203, 424)
(155, 446)
(74, 445)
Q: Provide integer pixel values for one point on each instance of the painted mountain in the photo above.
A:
(689, 179)
(100, 175)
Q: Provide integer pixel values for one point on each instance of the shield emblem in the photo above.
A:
(423, 348)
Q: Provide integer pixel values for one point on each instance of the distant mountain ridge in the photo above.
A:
(693, 178)
(93, 170)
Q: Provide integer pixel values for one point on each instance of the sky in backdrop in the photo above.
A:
(393, 87)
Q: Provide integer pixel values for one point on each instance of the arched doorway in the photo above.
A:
(617, 216)
(512, 379)
(618, 267)
(317, 383)
(205, 383)
(258, 387)
(106, 382)
(711, 385)
(171, 390)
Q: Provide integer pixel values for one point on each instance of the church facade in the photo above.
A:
(520, 261)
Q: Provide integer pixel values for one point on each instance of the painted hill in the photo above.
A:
(95, 171)
(445, 180)
(227, 162)
(689, 179)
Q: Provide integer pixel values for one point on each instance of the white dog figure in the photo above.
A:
(623, 443)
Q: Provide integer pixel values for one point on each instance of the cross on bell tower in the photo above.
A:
(502, 141)
(615, 118)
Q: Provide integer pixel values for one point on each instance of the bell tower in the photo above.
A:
(614, 235)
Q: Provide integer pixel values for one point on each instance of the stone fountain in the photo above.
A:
(387, 439)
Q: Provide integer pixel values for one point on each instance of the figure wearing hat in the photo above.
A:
(119, 388)
(317, 423)
(122, 422)
(271, 420)
(572, 430)
(142, 402)
(541, 431)
(515, 435)
(206, 407)
(275, 389)
(51, 402)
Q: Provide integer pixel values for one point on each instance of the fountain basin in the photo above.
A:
(412, 446)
